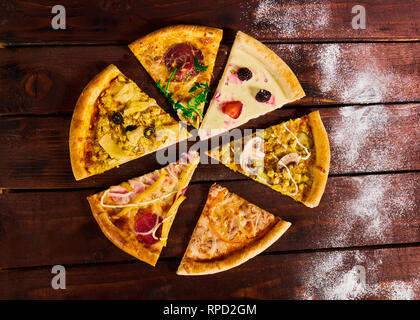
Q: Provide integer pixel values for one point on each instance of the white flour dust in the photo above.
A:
(289, 17)
(374, 207)
(352, 131)
(344, 78)
(360, 138)
(329, 277)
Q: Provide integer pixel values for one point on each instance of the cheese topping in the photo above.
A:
(308, 154)
(139, 204)
(231, 88)
(252, 151)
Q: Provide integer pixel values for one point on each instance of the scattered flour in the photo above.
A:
(372, 211)
(290, 17)
(345, 79)
(360, 139)
(328, 278)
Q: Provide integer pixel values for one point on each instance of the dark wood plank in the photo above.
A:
(390, 274)
(34, 150)
(40, 81)
(123, 21)
(46, 228)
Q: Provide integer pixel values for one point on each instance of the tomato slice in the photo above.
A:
(232, 108)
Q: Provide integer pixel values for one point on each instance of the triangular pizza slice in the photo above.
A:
(255, 81)
(114, 121)
(137, 215)
(229, 232)
(292, 157)
(180, 59)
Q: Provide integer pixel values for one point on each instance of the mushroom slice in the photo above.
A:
(253, 150)
(290, 158)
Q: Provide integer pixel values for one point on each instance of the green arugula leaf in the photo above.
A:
(198, 66)
(191, 103)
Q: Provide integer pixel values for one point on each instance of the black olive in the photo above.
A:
(148, 132)
(117, 118)
(263, 95)
(244, 74)
(130, 128)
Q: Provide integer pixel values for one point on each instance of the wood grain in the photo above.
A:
(286, 276)
(39, 80)
(34, 150)
(125, 20)
(47, 228)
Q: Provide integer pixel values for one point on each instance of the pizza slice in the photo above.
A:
(137, 215)
(292, 157)
(229, 232)
(255, 81)
(180, 59)
(114, 121)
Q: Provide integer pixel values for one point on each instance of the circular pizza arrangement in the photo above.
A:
(115, 121)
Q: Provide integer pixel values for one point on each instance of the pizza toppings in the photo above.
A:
(148, 228)
(244, 74)
(232, 108)
(191, 110)
(117, 118)
(253, 151)
(290, 158)
(291, 178)
(308, 154)
(232, 220)
(130, 128)
(181, 57)
(263, 95)
(199, 66)
(149, 131)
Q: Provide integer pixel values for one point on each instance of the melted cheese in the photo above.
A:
(232, 89)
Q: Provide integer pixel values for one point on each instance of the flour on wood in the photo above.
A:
(372, 213)
(289, 17)
(351, 275)
(364, 77)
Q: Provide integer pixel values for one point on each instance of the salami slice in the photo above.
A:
(145, 227)
(181, 56)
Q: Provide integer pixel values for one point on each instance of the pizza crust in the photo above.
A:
(321, 167)
(127, 241)
(128, 244)
(150, 49)
(82, 116)
(273, 63)
(192, 267)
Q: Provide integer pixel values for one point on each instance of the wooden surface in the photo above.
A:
(364, 82)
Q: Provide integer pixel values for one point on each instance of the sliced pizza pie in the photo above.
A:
(180, 59)
(137, 215)
(292, 157)
(229, 232)
(255, 81)
(114, 121)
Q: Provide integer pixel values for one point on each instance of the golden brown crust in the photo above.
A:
(151, 48)
(233, 256)
(278, 68)
(82, 116)
(191, 267)
(127, 241)
(121, 241)
(321, 167)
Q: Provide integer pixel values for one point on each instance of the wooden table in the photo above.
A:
(365, 83)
